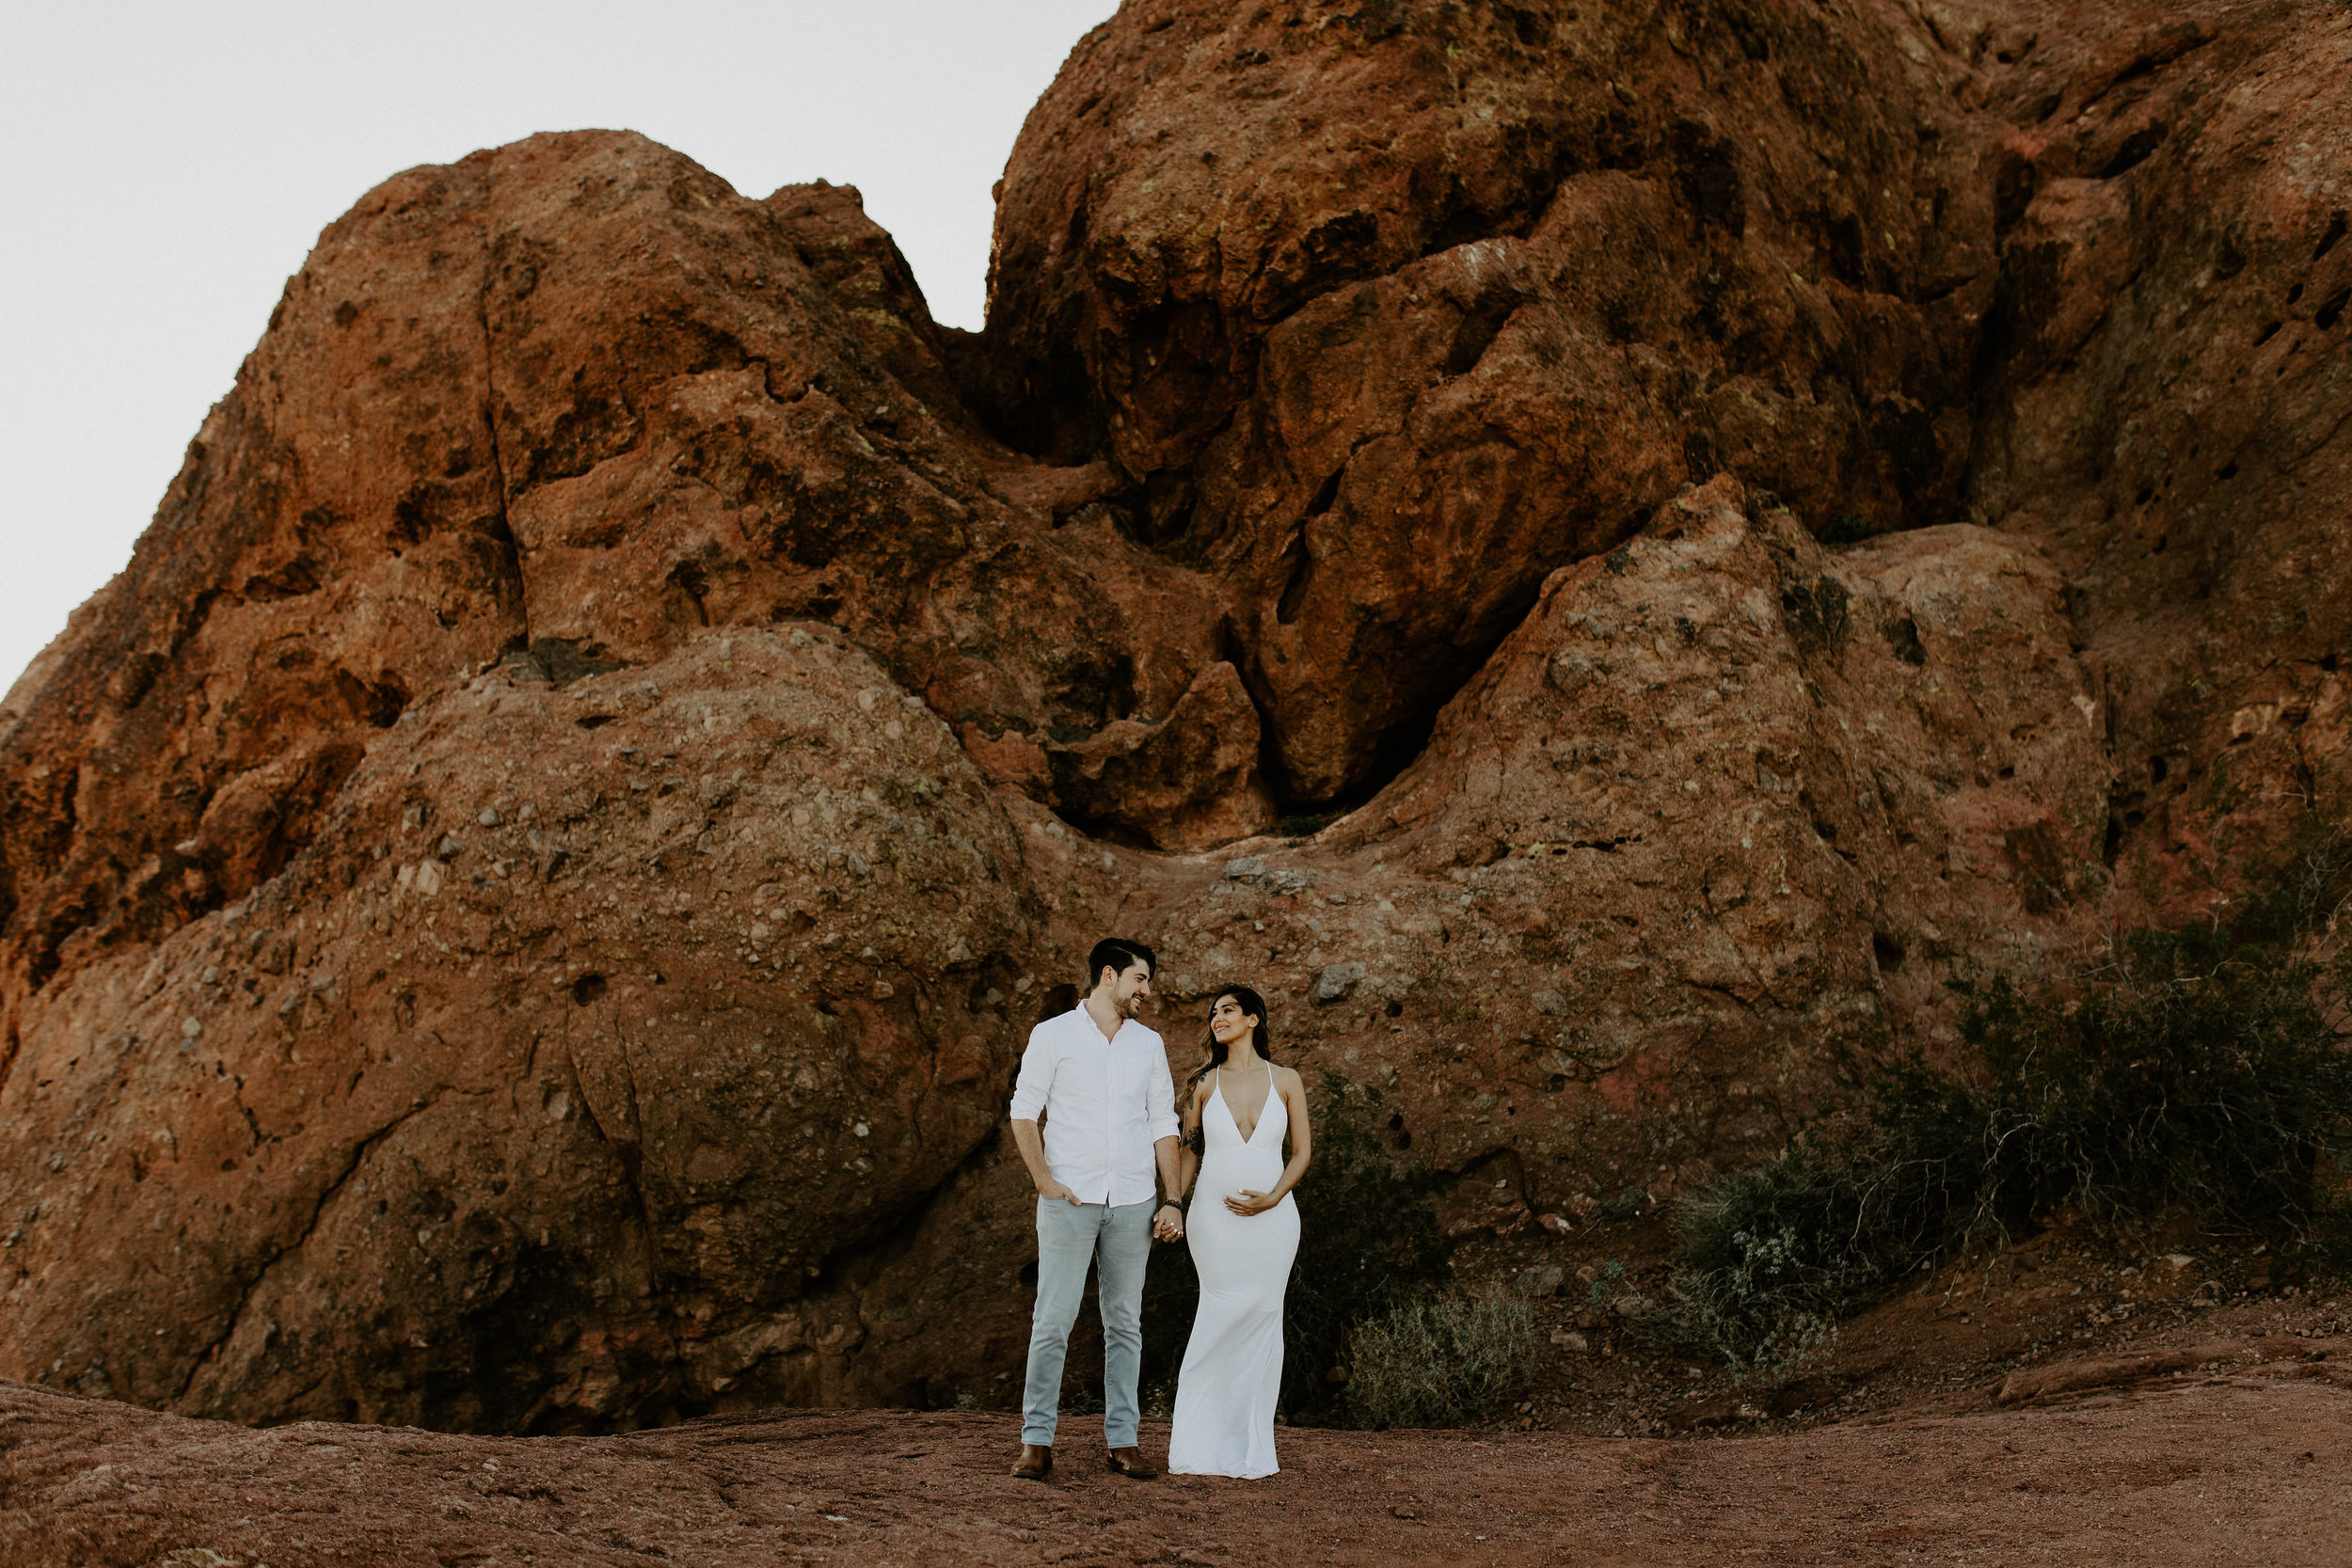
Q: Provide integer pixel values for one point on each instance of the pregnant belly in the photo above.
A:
(1224, 1174)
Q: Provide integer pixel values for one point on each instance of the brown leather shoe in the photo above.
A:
(1035, 1462)
(1130, 1462)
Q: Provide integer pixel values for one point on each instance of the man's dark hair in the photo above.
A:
(1118, 955)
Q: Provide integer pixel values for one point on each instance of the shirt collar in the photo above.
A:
(1079, 1016)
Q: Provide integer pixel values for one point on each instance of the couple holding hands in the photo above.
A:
(1095, 1116)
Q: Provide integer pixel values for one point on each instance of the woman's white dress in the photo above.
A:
(1233, 1371)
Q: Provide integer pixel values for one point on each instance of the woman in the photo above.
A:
(1243, 1233)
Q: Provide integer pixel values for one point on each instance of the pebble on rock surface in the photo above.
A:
(1337, 981)
(1542, 1280)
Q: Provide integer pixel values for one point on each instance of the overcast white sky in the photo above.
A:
(169, 164)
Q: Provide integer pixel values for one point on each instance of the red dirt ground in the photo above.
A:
(2243, 1464)
(2082, 1397)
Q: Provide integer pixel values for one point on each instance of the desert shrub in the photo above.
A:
(2205, 1074)
(2224, 1095)
(1368, 1239)
(1772, 1256)
(1436, 1361)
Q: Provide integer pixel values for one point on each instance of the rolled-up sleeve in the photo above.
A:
(1036, 1080)
(1159, 1103)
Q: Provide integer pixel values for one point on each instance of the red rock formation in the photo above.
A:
(1723, 804)
(1390, 311)
(517, 909)
(2168, 382)
(542, 417)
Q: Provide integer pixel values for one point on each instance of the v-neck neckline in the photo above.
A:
(1251, 1136)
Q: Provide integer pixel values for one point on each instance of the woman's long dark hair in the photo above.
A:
(1252, 1005)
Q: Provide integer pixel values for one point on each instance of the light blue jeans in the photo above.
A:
(1118, 1240)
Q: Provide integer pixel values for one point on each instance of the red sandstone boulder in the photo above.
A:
(596, 1024)
(574, 397)
(1389, 311)
(1724, 806)
(538, 421)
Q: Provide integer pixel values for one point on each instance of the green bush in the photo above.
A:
(1432, 1361)
(1368, 1239)
(2223, 1092)
(2224, 1095)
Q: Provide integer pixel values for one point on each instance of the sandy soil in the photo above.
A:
(2235, 1460)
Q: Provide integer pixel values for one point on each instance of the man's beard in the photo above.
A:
(1133, 1006)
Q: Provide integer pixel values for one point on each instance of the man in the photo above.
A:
(1100, 1079)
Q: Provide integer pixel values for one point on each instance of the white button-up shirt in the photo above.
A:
(1106, 1103)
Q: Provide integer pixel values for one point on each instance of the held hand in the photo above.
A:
(1055, 1189)
(1169, 1224)
(1246, 1203)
